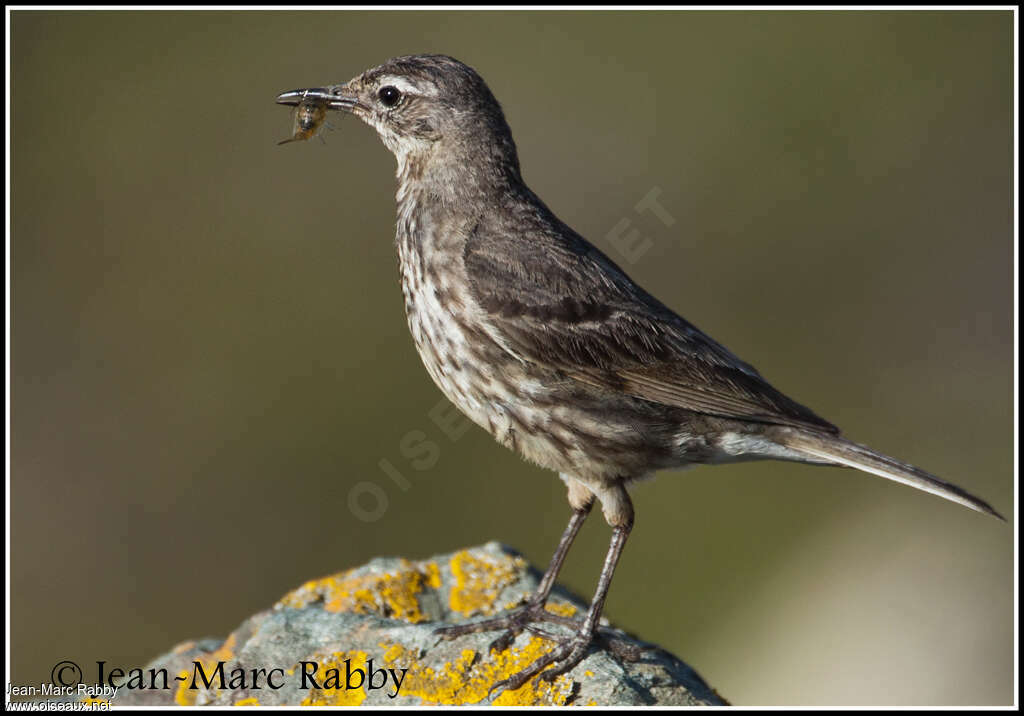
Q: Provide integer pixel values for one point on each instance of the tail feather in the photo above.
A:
(840, 451)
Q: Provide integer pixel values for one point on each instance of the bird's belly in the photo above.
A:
(442, 341)
(544, 416)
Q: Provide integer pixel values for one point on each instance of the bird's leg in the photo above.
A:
(515, 622)
(570, 650)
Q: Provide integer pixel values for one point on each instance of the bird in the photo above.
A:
(548, 345)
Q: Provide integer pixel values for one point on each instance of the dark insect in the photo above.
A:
(309, 116)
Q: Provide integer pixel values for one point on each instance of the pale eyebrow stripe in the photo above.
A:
(424, 88)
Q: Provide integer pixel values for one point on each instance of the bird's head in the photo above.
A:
(427, 109)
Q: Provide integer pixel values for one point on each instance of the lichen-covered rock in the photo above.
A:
(365, 637)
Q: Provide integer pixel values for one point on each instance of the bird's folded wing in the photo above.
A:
(555, 300)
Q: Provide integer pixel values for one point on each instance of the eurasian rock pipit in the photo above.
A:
(548, 345)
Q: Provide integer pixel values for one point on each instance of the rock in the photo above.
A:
(365, 637)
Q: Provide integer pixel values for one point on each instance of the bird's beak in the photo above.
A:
(337, 97)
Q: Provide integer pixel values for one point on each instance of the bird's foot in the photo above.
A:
(511, 625)
(568, 652)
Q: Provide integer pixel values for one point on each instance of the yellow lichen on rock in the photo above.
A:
(469, 679)
(338, 696)
(433, 573)
(225, 651)
(564, 609)
(251, 701)
(186, 695)
(478, 582)
(393, 595)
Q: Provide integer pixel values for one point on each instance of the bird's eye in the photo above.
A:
(389, 96)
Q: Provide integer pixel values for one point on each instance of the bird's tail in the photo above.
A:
(839, 451)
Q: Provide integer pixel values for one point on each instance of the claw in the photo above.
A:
(579, 650)
(546, 635)
(521, 677)
(512, 624)
(454, 632)
(567, 653)
(503, 642)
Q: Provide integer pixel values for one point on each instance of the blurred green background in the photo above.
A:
(209, 348)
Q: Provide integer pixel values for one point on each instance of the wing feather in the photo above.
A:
(552, 298)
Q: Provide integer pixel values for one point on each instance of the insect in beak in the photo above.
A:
(310, 113)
